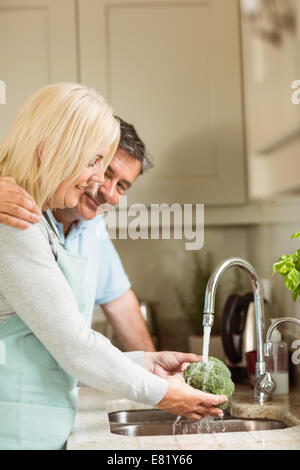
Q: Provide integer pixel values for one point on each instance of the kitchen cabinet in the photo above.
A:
(37, 47)
(173, 68)
(272, 119)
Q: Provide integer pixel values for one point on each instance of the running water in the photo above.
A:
(207, 425)
(206, 338)
(204, 426)
(183, 426)
(175, 425)
(207, 367)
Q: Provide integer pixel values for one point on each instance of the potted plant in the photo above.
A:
(288, 266)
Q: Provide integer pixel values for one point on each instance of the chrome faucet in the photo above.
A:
(268, 344)
(264, 384)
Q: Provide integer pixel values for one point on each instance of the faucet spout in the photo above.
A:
(209, 310)
(268, 344)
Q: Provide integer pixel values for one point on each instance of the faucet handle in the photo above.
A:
(265, 384)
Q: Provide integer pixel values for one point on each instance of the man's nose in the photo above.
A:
(108, 190)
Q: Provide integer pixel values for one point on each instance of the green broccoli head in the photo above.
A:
(211, 377)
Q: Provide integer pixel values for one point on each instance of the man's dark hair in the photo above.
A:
(132, 144)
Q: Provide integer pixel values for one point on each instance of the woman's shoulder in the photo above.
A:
(35, 235)
(15, 232)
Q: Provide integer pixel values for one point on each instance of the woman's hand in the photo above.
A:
(17, 208)
(166, 363)
(182, 399)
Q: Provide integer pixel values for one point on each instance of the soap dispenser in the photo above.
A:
(278, 363)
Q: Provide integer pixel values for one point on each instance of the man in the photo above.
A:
(78, 227)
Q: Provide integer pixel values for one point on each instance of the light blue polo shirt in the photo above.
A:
(105, 275)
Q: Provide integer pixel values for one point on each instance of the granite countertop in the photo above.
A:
(92, 431)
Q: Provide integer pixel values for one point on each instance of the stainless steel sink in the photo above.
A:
(140, 416)
(159, 423)
(145, 416)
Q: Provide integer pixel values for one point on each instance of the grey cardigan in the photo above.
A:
(33, 286)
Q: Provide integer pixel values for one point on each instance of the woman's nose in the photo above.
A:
(98, 176)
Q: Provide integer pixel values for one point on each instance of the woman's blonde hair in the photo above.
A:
(67, 123)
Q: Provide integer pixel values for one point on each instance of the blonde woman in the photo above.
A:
(60, 143)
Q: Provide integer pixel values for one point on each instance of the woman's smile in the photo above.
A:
(92, 199)
(80, 187)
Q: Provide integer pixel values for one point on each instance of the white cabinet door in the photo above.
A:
(172, 68)
(272, 120)
(37, 47)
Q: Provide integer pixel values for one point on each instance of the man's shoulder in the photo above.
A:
(97, 228)
(95, 222)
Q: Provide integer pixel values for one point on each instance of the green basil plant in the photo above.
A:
(288, 266)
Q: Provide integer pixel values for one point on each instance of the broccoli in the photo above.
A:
(211, 377)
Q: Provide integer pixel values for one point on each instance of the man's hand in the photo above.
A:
(166, 363)
(182, 399)
(17, 208)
